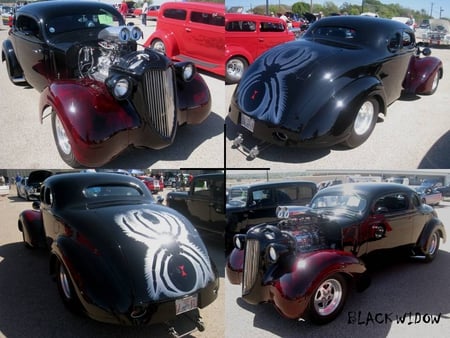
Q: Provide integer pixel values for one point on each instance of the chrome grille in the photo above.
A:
(159, 99)
(251, 264)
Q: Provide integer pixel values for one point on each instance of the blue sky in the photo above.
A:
(413, 4)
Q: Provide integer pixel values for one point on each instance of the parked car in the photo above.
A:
(152, 12)
(305, 263)
(255, 203)
(101, 93)
(444, 190)
(247, 36)
(7, 15)
(191, 31)
(429, 195)
(118, 256)
(29, 186)
(203, 202)
(433, 32)
(153, 184)
(330, 86)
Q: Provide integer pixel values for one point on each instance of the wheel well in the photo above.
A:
(238, 56)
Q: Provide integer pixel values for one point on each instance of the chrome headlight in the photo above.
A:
(275, 250)
(186, 70)
(120, 87)
(239, 241)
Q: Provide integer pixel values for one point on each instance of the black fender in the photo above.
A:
(96, 286)
(350, 98)
(32, 227)
(433, 224)
(14, 69)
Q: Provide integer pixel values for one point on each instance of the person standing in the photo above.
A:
(124, 9)
(144, 13)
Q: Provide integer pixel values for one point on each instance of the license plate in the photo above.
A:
(247, 122)
(186, 304)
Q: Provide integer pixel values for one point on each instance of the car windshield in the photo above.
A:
(114, 191)
(349, 201)
(74, 22)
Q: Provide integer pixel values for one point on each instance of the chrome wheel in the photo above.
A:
(61, 137)
(435, 83)
(328, 297)
(159, 46)
(64, 282)
(235, 69)
(363, 121)
(433, 245)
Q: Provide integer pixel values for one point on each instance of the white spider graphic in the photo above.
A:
(174, 265)
(264, 93)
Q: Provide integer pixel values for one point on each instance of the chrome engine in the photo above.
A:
(114, 42)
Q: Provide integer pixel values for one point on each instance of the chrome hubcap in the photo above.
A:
(433, 244)
(63, 279)
(61, 136)
(235, 68)
(364, 118)
(328, 297)
(435, 82)
(159, 45)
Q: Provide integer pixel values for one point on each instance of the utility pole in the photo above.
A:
(431, 10)
(440, 12)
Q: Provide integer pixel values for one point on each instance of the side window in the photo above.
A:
(271, 27)
(213, 19)
(408, 40)
(177, 14)
(240, 26)
(392, 203)
(46, 196)
(262, 197)
(394, 42)
(202, 187)
(27, 25)
(416, 201)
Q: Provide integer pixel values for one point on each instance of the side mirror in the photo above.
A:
(36, 205)
(159, 199)
(426, 51)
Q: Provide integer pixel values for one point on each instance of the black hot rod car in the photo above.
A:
(305, 263)
(102, 92)
(117, 255)
(330, 86)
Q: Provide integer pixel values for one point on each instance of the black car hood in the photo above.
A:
(289, 84)
(152, 250)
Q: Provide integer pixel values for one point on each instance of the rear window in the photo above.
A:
(240, 26)
(335, 32)
(99, 191)
(174, 13)
(213, 19)
(272, 27)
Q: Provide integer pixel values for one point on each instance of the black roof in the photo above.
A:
(52, 8)
(368, 188)
(272, 184)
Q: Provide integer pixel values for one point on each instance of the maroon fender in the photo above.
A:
(194, 101)
(32, 228)
(291, 291)
(419, 78)
(235, 263)
(97, 124)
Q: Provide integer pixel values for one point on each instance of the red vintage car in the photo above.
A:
(305, 263)
(153, 184)
(224, 44)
